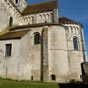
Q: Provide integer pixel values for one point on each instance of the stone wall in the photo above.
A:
(75, 57)
(10, 65)
(58, 55)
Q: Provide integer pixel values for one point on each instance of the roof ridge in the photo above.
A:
(42, 3)
(68, 19)
(40, 7)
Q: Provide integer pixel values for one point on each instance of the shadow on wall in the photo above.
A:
(78, 84)
(84, 69)
(73, 85)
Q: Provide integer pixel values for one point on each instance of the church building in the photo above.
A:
(37, 44)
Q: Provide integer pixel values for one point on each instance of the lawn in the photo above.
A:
(26, 84)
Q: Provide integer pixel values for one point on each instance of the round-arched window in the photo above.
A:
(36, 38)
(75, 43)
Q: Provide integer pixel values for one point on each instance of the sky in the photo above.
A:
(76, 10)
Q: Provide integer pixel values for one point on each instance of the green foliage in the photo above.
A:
(75, 82)
(7, 83)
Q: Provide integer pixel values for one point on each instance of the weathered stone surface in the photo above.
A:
(55, 55)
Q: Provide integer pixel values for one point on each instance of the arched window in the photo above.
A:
(37, 38)
(75, 43)
(11, 21)
(53, 77)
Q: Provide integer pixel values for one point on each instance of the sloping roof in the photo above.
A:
(13, 35)
(64, 20)
(41, 7)
(23, 27)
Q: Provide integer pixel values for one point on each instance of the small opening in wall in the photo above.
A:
(16, 1)
(36, 38)
(45, 21)
(28, 23)
(53, 77)
(31, 77)
(10, 21)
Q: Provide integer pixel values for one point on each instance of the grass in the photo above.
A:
(5, 83)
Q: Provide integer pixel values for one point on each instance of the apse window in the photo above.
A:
(75, 43)
(36, 38)
(8, 50)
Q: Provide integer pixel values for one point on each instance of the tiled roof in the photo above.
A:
(23, 27)
(41, 7)
(13, 35)
(64, 20)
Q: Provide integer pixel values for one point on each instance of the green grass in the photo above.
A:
(26, 84)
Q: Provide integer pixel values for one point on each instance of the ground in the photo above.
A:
(4, 83)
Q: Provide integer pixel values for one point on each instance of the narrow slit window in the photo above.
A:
(11, 21)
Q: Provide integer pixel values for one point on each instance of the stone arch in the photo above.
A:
(32, 19)
(26, 18)
(40, 17)
(74, 35)
(23, 19)
(71, 29)
(67, 29)
(77, 30)
(43, 16)
(74, 29)
(47, 16)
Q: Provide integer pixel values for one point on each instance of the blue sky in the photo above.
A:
(74, 9)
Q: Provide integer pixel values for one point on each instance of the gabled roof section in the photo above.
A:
(13, 35)
(41, 7)
(23, 27)
(64, 20)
